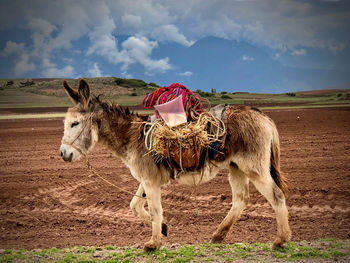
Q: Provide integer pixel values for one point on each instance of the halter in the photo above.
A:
(79, 134)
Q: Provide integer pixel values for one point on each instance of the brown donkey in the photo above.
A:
(251, 154)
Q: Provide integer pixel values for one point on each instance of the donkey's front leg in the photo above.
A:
(137, 205)
(153, 193)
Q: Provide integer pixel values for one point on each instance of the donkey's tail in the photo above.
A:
(275, 170)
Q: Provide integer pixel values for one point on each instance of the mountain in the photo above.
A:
(229, 65)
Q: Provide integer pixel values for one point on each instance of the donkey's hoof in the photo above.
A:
(164, 229)
(216, 240)
(151, 246)
(279, 243)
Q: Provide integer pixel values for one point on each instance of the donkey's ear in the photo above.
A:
(73, 94)
(84, 92)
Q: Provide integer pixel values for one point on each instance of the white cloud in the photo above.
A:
(50, 70)
(299, 52)
(291, 9)
(170, 33)
(136, 49)
(41, 26)
(95, 71)
(13, 48)
(247, 58)
(139, 50)
(53, 72)
(23, 65)
(186, 74)
(132, 21)
(337, 47)
(254, 29)
(127, 75)
(277, 56)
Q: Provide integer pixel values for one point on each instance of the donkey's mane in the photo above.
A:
(112, 108)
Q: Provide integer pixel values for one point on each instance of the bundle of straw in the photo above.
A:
(183, 144)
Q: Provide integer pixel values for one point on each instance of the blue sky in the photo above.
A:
(98, 38)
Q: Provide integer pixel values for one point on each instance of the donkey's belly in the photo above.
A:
(197, 178)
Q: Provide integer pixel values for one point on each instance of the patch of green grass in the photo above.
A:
(210, 259)
(328, 239)
(255, 252)
(242, 250)
(46, 252)
(337, 244)
(86, 249)
(294, 252)
(12, 255)
(69, 257)
(128, 255)
(110, 247)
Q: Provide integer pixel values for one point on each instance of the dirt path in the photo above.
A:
(45, 202)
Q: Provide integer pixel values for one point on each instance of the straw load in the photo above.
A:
(183, 145)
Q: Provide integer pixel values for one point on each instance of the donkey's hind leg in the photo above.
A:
(137, 206)
(240, 196)
(274, 195)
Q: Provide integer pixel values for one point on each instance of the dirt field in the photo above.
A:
(45, 202)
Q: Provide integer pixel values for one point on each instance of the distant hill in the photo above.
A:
(323, 92)
(49, 92)
(110, 87)
(36, 93)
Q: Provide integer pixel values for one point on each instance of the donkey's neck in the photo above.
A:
(120, 131)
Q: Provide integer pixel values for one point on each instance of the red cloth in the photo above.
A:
(162, 95)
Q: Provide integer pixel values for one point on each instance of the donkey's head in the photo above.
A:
(80, 131)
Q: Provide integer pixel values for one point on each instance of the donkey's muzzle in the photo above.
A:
(66, 155)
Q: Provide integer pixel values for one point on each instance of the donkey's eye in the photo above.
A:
(75, 124)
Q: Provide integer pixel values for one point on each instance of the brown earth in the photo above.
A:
(35, 110)
(45, 202)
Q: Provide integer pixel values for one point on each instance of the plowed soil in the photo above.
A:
(45, 202)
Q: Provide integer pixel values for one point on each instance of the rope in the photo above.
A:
(94, 172)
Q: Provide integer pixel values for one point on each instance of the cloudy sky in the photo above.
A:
(45, 38)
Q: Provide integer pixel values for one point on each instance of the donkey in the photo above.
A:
(251, 150)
